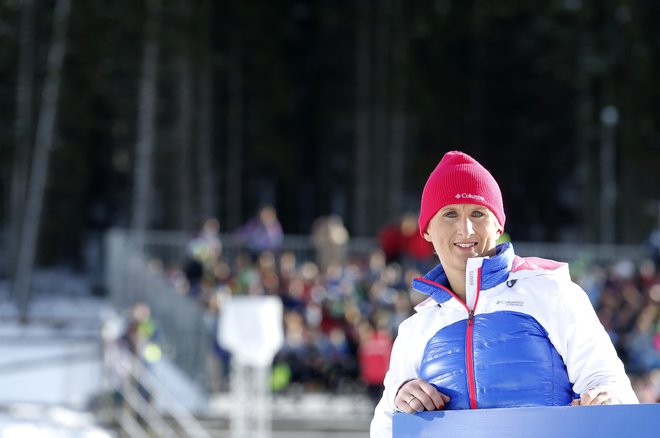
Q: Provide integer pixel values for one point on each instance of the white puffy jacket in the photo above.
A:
(525, 336)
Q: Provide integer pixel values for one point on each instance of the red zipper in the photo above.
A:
(469, 361)
(469, 347)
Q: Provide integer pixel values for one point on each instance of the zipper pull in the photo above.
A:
(470, 319)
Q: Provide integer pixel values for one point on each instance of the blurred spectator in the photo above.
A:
(402, 243)
(218, 359)
(647, 386)
(287, 269)
(263, 233)
(210, 234)
(245, 275)
(140, 336)
(374, 357)
(330, 237)
(203, 251)
(643, 343)
(654, 241)
(376, 265)
(193, 269)
(268, 276)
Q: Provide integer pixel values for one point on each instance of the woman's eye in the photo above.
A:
(450, 214)
(477, 213)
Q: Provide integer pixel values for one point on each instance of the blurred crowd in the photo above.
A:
(341, 312)
(626, 296)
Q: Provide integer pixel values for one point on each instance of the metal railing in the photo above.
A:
(146, 409)
(169, 247)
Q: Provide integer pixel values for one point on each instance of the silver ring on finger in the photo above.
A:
(411, 399)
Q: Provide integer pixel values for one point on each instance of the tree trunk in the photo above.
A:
(184, 128)
(585, 132)
(23, 134)
(477, 80)
(609, 127)
(235, 116)
(207, 203)
(43, 144)
(380, 121)
(361, 171)
(398, 111)
(148, 98)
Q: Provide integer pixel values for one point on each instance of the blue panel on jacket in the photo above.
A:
(515, 363)
(444, 366)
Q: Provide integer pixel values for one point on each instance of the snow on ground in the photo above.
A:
(49, 371)
(37, 421)
(56, 357)
(50, 368)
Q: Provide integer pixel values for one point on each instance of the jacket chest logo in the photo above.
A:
(514, 303)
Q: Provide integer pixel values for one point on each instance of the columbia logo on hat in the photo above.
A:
(468, 196)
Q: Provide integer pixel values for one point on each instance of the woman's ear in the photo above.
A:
(427, 236)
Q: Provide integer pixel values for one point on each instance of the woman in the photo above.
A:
(497, 330)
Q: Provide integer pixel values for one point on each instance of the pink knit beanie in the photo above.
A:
(459, 179)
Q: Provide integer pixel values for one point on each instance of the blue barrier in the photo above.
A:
(616, 421)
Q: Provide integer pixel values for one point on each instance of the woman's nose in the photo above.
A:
(466, 227)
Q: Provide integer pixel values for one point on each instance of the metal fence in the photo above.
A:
(169, 247)
(134, 276)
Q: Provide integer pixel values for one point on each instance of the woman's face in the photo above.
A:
(461, 231)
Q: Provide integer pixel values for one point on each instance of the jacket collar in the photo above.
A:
(494, 270)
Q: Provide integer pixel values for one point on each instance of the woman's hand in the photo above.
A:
(418, 395)
(596, 396)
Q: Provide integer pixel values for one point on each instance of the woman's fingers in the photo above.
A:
(406, 401)
(418, 395)
(422, 401)
(596, 396)
(435, 399)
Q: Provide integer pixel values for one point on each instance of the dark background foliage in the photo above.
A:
(344, 107)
